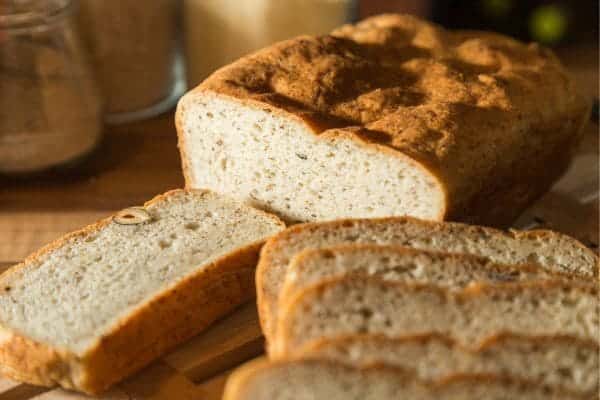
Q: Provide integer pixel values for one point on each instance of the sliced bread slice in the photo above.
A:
(327, 380)
(395, 263)
(550, 250)
(100, 303)
(348, 306)
(556, 361)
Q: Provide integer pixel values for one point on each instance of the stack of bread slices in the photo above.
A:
(376, 308)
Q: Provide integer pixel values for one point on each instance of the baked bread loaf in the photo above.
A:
(550, 250)
(397, 263)
(326, 380)
(392, 116)
(556, 361)
(102, 302)
(349, 306)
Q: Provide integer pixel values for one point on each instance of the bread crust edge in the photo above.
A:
(311, 127)
(282, 344)
(235, 386)
(127, 344)
(267, 302)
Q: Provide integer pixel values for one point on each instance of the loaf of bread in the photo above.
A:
(349, 306)
(392, 116)
(397, 263)
(102, 302)
(552, 251)
(556, 361)
(326, 380)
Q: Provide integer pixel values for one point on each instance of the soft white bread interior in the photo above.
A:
(392, 116)
(552, 251)
(397, 263)
(326, 380)
(277, 163)
(98, 304)
(349, 305)
(557, 361)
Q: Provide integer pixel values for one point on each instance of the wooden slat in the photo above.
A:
(155, 382)
(229, 342)
(159, 382)
(212, 389)
(10, 390)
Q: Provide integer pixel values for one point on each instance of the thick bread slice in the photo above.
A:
(392, 116)
(397, 263)
(552, 251)
(556, 361)
(327, 380)
(348, 306)
(102, 302)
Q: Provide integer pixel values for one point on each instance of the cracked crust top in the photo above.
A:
(470, 106)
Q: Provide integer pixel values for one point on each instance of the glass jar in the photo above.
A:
(217, 32)
(133, 46)
(50, 111)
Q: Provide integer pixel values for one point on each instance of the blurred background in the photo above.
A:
(88, 88)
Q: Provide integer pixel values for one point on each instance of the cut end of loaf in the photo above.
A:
(277, 162)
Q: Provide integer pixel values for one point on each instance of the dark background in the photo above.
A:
(554, 23)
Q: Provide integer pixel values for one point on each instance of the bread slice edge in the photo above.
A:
(236, 386)
(280, 346)
(290, 286)
(267, 296)
(173, 315)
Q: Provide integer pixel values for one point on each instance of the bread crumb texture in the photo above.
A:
(70, 296)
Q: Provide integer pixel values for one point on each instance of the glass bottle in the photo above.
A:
(133, 45)
(50, 109)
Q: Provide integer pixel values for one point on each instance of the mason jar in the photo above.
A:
(50, 108)
(133, 45)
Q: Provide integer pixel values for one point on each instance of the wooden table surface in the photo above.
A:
(139, 160)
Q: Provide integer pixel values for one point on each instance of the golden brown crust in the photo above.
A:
(236, 384)
(268, 265)
(469, 107)
(181, 145)
(171, 317)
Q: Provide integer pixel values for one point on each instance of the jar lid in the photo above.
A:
(24, 14)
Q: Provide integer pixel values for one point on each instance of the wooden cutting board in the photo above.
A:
(137, 161)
